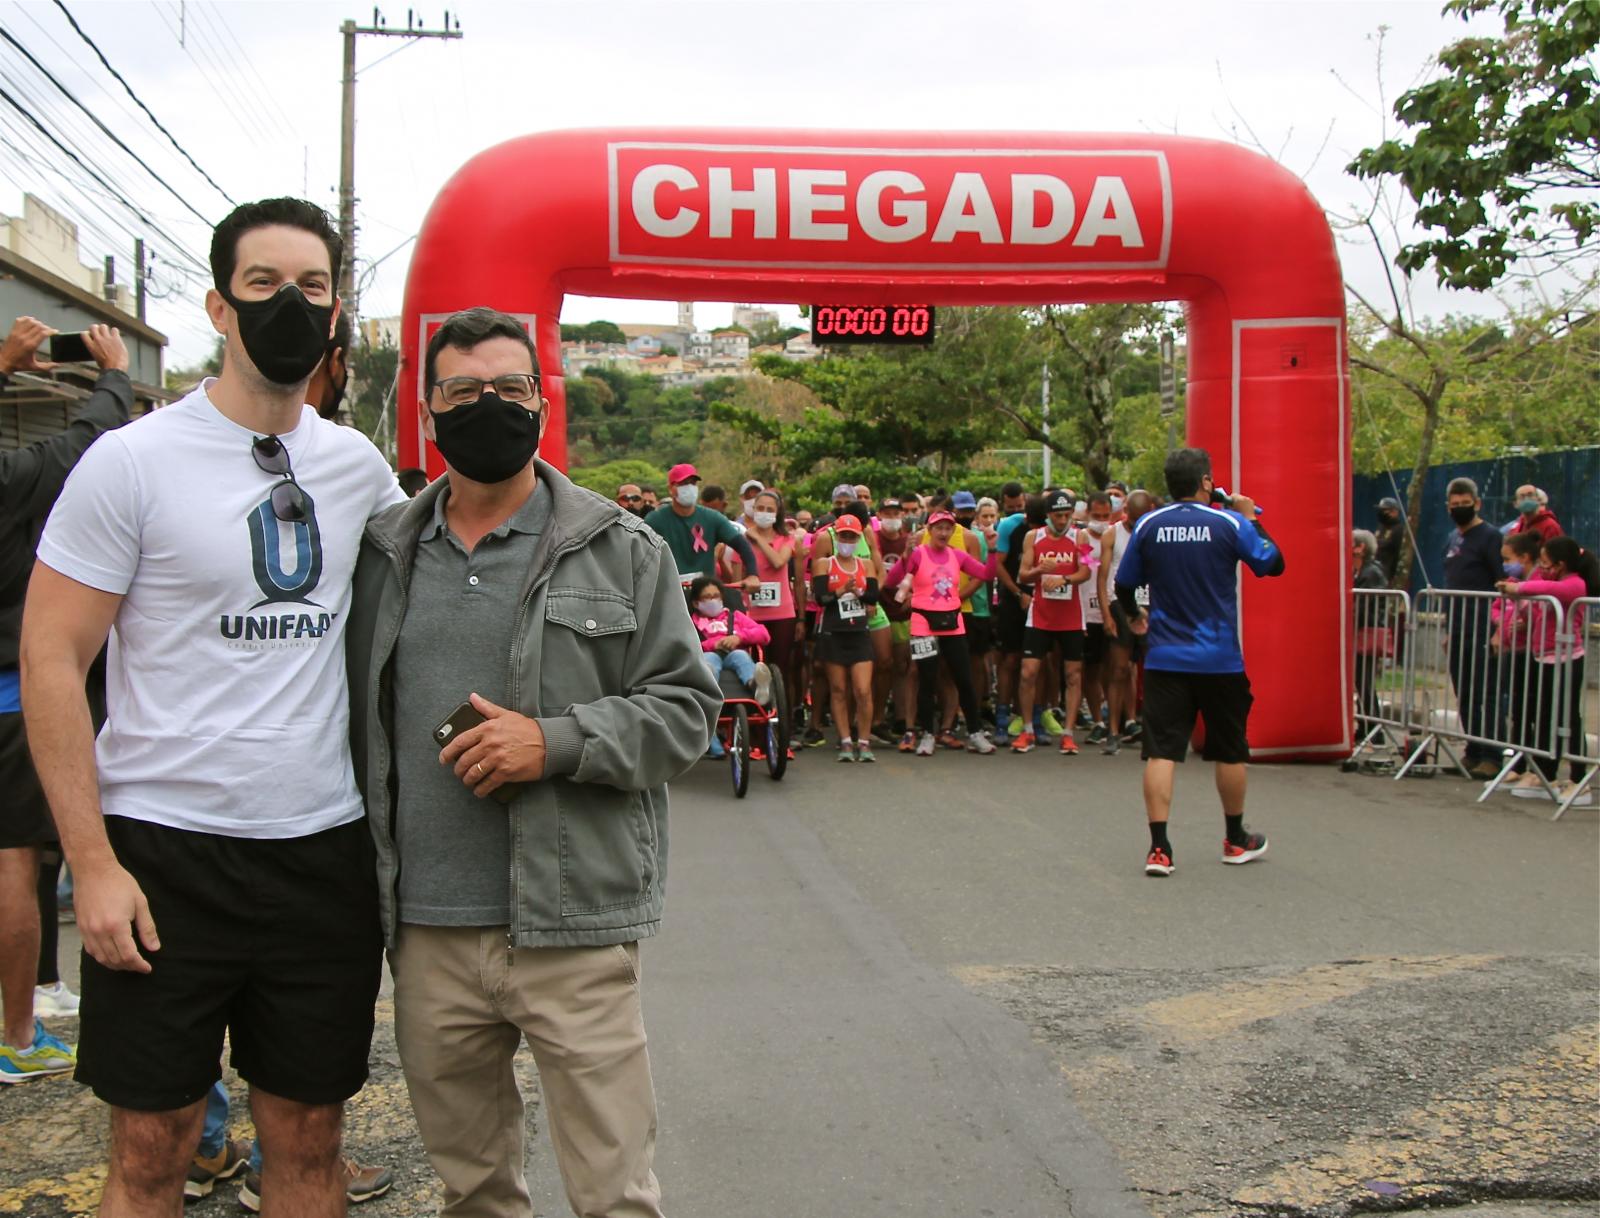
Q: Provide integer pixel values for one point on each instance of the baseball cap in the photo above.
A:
(682, 473)
(847, 524)
(1389, 503)
(845, 490)
(753, 484)
(1060, 502)
(940, 515)
(964, 500)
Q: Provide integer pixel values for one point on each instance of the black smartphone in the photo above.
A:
(70, 349)
(462, 719)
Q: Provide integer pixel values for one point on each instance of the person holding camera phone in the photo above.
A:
(1188, 553)
(557, 616)
(30, 480)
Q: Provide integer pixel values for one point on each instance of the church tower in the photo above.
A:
(686, 315)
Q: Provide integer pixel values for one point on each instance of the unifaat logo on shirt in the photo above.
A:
(735, 205)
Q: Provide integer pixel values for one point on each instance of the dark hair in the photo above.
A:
(712, 491)
(1033, 509)
(646, 490)
(1576, 560)
(412, 481)
(699, 586)
(1185, 470)
(781, 524)
(465, 330)
(295, 213)
(1011, 490)
(1099, 497)
(1527, 543)
(1461, 486)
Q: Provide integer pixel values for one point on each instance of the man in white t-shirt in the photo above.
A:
(224, 878)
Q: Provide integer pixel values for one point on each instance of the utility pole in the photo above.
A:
(347, 144)
(138, 277)
(1044, 406)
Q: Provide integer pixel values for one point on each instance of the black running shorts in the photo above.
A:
(24, 814)
(847, 647)
(1036, 644)
(1172, 700)
(1094, 643)
(1135, 644)
(1009, 623)
(275, 941)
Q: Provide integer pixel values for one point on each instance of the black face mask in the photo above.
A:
(490, 440)
(284, 335)
(1463, 515)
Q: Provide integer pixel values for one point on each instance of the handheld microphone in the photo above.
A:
(1221, 498)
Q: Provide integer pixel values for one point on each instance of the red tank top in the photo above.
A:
(1057, 608)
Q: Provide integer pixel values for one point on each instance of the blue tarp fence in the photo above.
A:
(1571, 477)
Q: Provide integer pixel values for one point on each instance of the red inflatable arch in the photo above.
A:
(963, 218)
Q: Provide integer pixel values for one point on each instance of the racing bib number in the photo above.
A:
(1141, 596)
(1063, 593)
(768, 596)
(850, 608)
(924, 647)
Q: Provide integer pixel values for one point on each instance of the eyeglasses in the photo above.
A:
(465, 390)
(288, 500)
(633, 499)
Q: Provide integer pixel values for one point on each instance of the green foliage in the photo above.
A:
(613, 414)
(605, 478)
(184, 379)
(1503, 145)
(372, 373)
(592, 332)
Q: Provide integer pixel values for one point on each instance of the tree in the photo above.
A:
(604, 479)
(184, 379)
(372, 389)
(1502, 144)
(592, 332)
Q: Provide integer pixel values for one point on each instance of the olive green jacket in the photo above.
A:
(605, 658)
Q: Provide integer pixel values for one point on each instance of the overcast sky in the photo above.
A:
(253, 96)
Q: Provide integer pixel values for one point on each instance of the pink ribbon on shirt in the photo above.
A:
(699, 539)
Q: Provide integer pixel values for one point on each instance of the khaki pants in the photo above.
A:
(462, 1002)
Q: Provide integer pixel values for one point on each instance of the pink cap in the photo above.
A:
(682, 473)
(937, 517)
(847, 524)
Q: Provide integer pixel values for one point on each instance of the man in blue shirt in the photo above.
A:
(1188, 553)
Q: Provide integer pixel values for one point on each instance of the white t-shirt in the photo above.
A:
(225, 687)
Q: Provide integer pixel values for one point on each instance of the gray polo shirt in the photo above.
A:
(461, 614)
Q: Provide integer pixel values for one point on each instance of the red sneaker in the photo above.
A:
(1159, 862)
(1069, 746)
(950, 740)
(1252, 848)
(1023, 743)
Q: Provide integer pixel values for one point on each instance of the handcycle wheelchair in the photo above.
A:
(748, 730)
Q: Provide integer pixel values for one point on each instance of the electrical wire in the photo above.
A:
(70, 96)
(223, 34)
(67, 13)
(210, 71)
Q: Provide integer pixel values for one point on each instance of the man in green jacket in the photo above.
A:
(524, 682)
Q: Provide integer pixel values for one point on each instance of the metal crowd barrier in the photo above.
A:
(1382, 618)
(1583, 724)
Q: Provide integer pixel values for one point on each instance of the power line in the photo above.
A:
(224, 34)
(101, 56)
(209, 70)
(123, 199)
(70, 96)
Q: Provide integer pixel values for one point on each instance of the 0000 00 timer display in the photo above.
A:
(872, 323)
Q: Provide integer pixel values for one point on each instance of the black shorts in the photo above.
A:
(1039, 643)
(1135, 644)
(1173, 699)
(847, 647)
(980, 634)
(1009, 624)
(275, 941)
(1095, 643)
(24, 814)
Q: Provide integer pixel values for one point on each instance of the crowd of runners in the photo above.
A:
(919, 621)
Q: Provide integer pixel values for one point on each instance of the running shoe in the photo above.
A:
(1023, 743)
(1529, 787)
(1582, 799)
(56, 1000)
(884, 734)
(763, 686)
(204, 1171)
(908, 743)
(864, 752)
(927, 744)
(979, 742)
(1252, 848)
(360, 1184)
(1112, 745)
(46, 1055)
(1015, 726)
(717, 751)
(1052, 723)
(813, 738)
(1098, 734)
(1069, 746)
(847, 750)
(1085, 719)
(1159, 862)
(1131, 731)
(951, 741)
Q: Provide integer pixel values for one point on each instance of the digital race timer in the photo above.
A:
(872, 324)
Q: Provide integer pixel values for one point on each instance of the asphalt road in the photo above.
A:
(945, 986)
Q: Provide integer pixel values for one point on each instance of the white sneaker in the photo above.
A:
(54, 1000)
(979, 742)
(926, 745)
(763, 689)
(1530, 787)
(1584, 800)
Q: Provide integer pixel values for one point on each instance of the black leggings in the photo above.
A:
(952, 649)
(1545, 694)
(49, 924)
